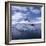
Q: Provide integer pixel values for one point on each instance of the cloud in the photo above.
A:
(34, 10)
(31, 22)
(36, 20)
(23, 8)
(20, 8)
(27, 22)
(16, 17)
(13, 22)
(19, 16)
(31, 8)
(15, 7)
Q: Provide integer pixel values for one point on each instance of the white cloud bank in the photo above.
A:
(36, 11)
(18, 15)
(19, 8)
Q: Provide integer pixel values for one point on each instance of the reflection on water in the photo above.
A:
(26, 31)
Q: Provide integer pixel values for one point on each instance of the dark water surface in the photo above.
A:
(26, 31)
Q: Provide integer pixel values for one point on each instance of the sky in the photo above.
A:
(26, 14)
